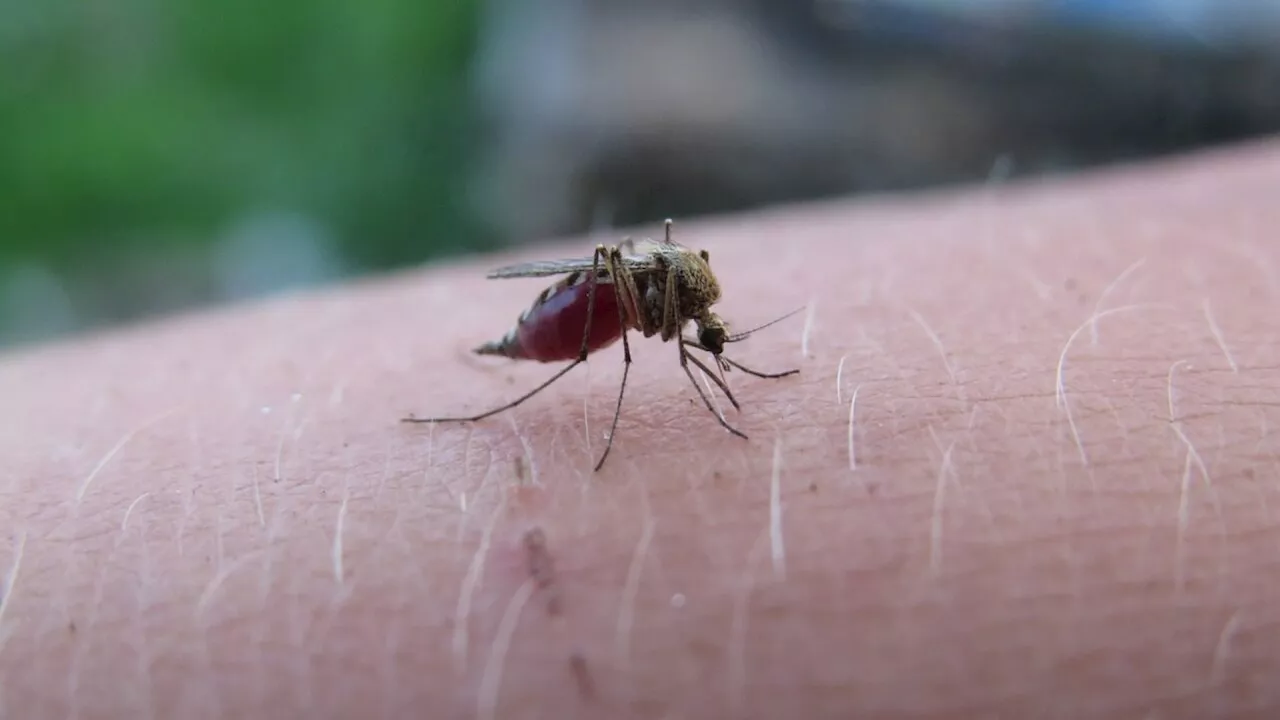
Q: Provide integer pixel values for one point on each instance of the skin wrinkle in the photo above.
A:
(1056, 586)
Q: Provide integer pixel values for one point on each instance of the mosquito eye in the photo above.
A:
(712, 339)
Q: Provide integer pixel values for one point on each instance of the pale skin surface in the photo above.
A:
(1064, 502)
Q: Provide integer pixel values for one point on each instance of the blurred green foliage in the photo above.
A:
(135, 123)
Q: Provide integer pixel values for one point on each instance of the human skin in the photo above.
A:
(1057, 503)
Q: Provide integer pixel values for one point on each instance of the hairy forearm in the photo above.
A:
(1027, 467)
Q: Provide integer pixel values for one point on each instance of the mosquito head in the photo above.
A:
(713, 333)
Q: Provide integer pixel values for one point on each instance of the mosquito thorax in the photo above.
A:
(697, 288)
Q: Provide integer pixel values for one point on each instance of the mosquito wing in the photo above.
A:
(636, 250)
(542, 268)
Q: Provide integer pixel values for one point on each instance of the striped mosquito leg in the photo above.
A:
(594, 282)
(621, 277)
(685, 357)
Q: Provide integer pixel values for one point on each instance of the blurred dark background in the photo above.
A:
(163, 154)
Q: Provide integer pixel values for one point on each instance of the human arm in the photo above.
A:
(1057, 501)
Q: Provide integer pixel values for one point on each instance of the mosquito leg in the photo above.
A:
(671, 308)
(685, 357)
(594, 281)
(497, 410)
(718, 381)
(582, 356)
(591, 298)
(707, 400)
(614, 266)
(629, 294)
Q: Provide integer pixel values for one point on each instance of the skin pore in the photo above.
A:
(1027, 470)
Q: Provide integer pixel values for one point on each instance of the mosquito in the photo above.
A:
(651, 287)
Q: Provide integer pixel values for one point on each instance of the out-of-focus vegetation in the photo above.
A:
(154, 127)
(162, 154)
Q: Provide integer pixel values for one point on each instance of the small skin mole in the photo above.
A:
(71, 627)
(1070, 284)
(813, 487)
(582, 675)
(542, 568)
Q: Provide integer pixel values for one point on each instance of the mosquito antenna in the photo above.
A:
(736, 337)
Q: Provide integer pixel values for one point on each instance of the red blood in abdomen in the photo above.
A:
(554, 330)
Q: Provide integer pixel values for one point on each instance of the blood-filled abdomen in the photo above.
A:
(553, 330)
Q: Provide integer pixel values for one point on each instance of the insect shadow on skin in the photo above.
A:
(652, 287)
